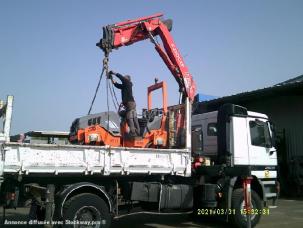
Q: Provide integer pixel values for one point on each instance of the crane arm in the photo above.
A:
(131, 31)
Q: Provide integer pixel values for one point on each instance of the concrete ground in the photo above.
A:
(289, 213)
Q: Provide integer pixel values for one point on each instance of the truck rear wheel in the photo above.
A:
(86, 210)
(239, 219)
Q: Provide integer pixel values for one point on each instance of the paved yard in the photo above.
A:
(289, 213)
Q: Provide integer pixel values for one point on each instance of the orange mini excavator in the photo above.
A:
(159, 128)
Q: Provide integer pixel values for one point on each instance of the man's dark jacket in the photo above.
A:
(126, 89)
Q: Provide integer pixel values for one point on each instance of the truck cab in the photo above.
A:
(248, 138)
(238, 143)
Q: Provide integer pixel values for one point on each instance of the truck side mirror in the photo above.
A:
(273, 134)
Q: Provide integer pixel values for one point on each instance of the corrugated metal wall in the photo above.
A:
(294, 141)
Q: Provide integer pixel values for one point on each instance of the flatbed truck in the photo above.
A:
(91, 185)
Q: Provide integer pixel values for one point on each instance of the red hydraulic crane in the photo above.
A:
(131, 31)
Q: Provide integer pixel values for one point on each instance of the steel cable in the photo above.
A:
(94, 98)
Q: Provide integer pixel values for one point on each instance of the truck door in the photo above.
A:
(239, 140)
(261, 150)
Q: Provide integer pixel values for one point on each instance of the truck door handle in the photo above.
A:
(271, 152)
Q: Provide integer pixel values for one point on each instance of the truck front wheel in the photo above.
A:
(86, 210)
(239, 219)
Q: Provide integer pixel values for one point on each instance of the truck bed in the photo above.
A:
(27, 159)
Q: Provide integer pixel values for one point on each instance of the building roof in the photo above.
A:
(292, 86)
(292, 80)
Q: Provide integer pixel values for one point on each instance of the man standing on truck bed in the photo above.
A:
(128, 101)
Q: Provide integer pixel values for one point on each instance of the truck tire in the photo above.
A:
(86, 208)
(239, 218)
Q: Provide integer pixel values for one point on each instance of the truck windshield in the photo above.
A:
(259, 133)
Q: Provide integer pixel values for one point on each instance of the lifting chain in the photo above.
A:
(105, 69)
(105, 64)
(112, 91)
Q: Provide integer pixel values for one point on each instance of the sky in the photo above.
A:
(49, 61)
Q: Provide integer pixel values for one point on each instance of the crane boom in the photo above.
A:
(131, 31)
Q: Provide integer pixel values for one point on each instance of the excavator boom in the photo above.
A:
(131, 31)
